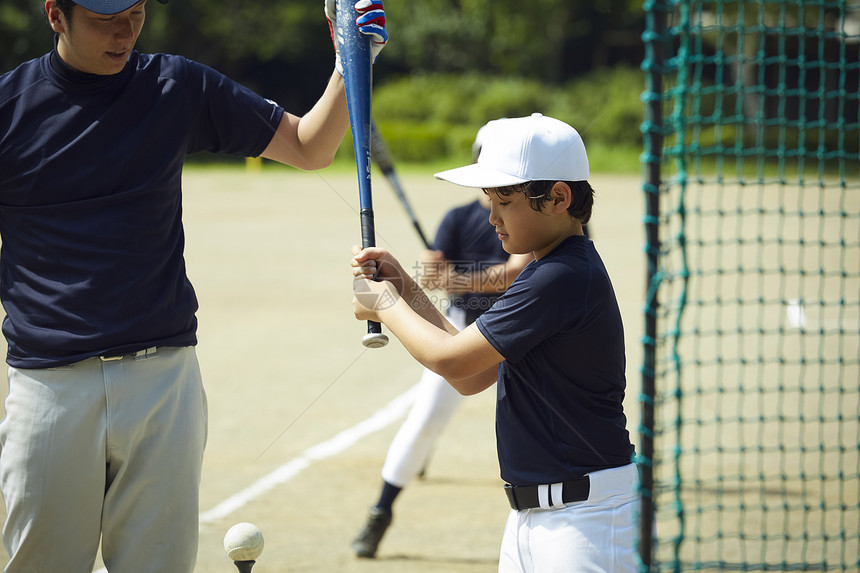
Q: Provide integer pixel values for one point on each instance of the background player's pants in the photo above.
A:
(435, 403)
(104, 447)
(593, 536)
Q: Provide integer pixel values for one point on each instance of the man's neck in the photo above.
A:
(63, 69)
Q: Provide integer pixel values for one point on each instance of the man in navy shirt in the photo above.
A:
(555, 341)
(106, 415)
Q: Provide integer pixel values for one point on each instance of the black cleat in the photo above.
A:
(367, 542)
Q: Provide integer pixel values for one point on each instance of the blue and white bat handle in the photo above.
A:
(354, 48)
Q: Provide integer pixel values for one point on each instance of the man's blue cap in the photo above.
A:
(108, 6)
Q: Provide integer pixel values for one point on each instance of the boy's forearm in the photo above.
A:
(431, 340)
(417, 299)
(420, 327)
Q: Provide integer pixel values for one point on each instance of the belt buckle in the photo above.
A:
(140, 354)
(512, 496)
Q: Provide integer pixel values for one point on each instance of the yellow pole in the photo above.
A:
(253, 164)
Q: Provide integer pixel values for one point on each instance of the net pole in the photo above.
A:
(654, 38)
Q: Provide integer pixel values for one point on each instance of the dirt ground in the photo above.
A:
(285, 372)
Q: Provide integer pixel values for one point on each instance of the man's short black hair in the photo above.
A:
(65, 7)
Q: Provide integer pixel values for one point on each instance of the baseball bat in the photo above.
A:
(379, 153)
(354, 48)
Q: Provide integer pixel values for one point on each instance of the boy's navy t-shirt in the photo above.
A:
(560, 388)
(470, 243)
(91, 203)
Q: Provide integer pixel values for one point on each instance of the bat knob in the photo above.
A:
(374, 340)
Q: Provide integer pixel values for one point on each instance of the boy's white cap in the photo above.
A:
(520, 149)
(479, 142)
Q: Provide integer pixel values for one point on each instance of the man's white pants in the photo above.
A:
(111, 448)
(593, 536)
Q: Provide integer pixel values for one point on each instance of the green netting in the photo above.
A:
(751, 378)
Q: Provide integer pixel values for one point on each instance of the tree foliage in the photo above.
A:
(275, 46)
(549, 40)
(24, 32)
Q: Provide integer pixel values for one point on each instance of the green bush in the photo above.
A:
(462, 99)
(429, 117)
(440, 98)
(604, 106)
(414, 141)
(509, 98)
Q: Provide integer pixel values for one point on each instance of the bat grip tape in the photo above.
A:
(368, 231)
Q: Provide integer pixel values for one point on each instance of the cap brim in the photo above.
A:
(477, 175)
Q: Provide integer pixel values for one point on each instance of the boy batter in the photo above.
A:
(471, 265)
(554, 339)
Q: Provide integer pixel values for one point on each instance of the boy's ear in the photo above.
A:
(560, 194)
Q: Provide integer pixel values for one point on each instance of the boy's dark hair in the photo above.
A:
(581, 196)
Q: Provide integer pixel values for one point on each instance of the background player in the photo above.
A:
(106, 416)
(555, 342)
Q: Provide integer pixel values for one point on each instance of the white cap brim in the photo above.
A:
(477, 175)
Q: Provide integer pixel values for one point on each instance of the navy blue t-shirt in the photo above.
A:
(560, 389)
(470, 243)
(91, 203)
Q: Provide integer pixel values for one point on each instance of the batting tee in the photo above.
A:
(750, 427)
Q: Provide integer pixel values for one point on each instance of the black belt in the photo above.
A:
(547, 496)
(146, 353)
